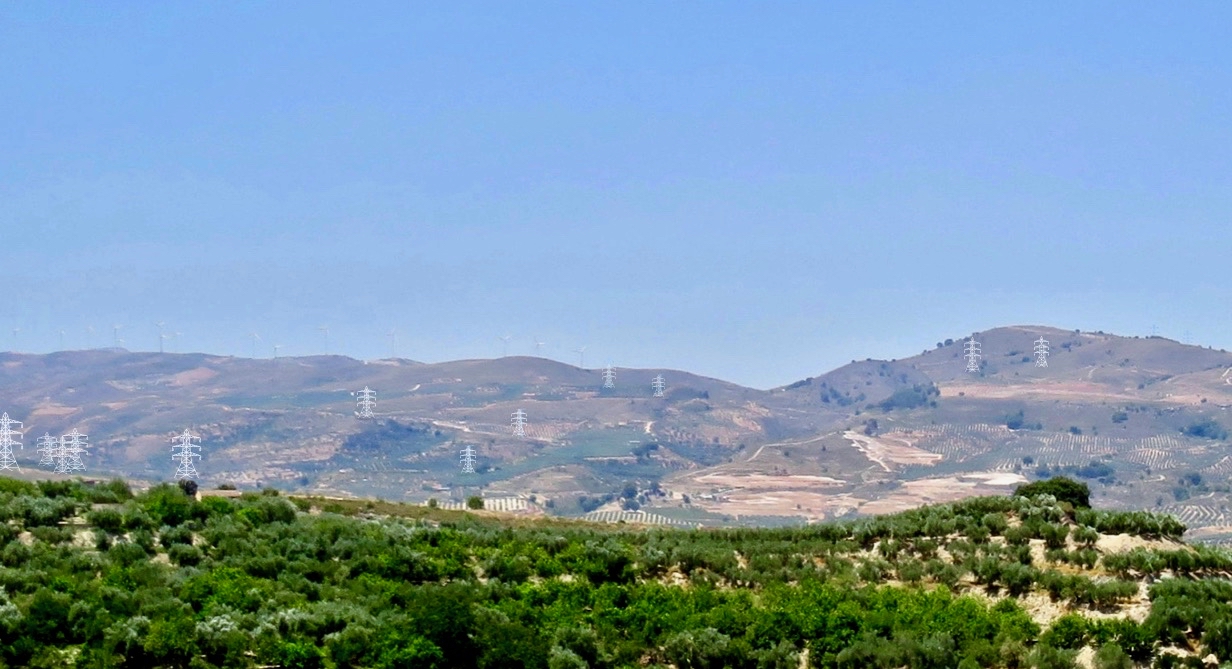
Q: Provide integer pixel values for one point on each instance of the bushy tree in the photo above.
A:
(1063, 488)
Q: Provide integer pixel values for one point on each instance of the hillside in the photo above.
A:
(92, 576)
(1143, 420)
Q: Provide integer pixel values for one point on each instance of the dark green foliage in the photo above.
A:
(167, 505)
(910, 398)
(1206, 428)
(1095, 470)
(1067, 632)
(107, 520)
(188, 487)
(474, 502)
(1062, 488)
(391, 436)
(253, 581)
(1141, 523)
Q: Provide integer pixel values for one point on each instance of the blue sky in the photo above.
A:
(754, 191)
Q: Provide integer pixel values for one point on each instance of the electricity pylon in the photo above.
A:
(365, 400)
(8, 439)
(48, 448)
(609, 377)
(1041, 352)
(973, 355)
(468, 460)
(184, 452)
(68, 455)
(518, 421)
(658, 385)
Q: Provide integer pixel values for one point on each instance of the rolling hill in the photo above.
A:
(1141, 419)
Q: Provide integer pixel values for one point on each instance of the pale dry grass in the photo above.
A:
(890, 450)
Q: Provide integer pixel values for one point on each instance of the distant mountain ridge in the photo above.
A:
(869, 436)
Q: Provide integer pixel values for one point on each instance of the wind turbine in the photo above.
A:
(61, 340)
(538, 347)
(276, 347)
(176, 337)
(581, 351)
(325, 329)
(15, 331)
(255, 338)
(115, 330)
(89, 336)
(161, 335)
(505, 347)
(393, 342)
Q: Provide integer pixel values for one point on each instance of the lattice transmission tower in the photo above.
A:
(1041, 352)
(68, 455)
(658, 385)
(518, 421)
(365, 401)
(973, 355)
(8, 439)
(48, 449)
(186, 449)
(609, 377)
(468, 460)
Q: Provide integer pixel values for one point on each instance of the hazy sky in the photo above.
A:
(754, 191)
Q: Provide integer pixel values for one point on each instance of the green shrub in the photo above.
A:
(107, 520)
(1206, 428)
(1064, 489)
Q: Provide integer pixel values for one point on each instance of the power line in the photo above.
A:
(609, 377)
(468, 460)
(658, 385)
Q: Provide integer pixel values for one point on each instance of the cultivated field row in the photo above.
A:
(491, 504)
(641, 517)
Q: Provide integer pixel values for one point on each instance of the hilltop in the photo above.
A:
(1143, 420)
